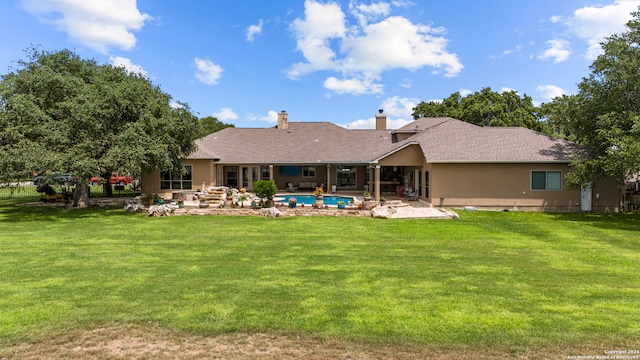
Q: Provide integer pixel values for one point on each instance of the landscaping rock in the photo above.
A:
(270, 212)
(134, 207)
(161, 210)
(383, 212)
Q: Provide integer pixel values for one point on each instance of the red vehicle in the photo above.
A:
(116, 179)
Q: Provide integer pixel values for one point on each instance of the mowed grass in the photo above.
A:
(489, 279)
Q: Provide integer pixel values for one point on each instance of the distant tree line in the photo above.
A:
(604, 114)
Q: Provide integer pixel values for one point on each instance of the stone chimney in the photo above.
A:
(283, 120)
(381, 120)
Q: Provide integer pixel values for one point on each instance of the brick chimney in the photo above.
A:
(381, 120)
(283, 120)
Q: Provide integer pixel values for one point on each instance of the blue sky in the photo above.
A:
(337, 61)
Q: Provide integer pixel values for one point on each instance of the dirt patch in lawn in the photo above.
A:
(135, 342)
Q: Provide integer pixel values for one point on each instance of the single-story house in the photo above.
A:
(448, 162)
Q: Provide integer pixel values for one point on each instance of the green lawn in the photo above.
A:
(488, 279)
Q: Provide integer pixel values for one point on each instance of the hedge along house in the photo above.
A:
(447, 161)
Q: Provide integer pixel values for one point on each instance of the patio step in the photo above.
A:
(214, 196)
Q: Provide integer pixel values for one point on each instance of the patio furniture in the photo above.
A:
(308, 185)
(291, 188)
(410, 194)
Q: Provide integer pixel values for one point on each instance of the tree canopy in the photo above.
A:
(485, 108)
(210, 124)
(59, 112)
(605, 113)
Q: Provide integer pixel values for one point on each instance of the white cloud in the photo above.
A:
(225, 114)
(594, 23)
(176, 105)
(549, 92)
(506, 89)
(555, 19)
(207, 72)
(99, 25)
(399, 112)
(401, 107)
(365, 13)
(406, 83)
(558, 51)
(397, 43)
(370, 123)
(397, 123)
(516, 49)
(322, 23)
(254, 30)
(465, 92)
(366, 50)
(353, 86)
(272, 117)
(119, 61)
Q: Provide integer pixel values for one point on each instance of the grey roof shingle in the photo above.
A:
(441, 140)
(457, 141)
(302, 142)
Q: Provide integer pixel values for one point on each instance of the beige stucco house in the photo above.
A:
(448, 162)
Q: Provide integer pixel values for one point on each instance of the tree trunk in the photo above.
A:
(107, 189)
(81, 197)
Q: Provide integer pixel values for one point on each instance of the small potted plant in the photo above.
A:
(292, 202)
(366, 194)
(148, 199)
(229, 200)
(319, 203)
(266, 189)
(180, 203)
(157, 199)
(242, 199)
(203, 202)
(341, 204)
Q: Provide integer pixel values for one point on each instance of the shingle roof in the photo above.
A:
(457, 141)
(441, 140)
(302, 142)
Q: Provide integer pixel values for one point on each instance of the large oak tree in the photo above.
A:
(485, 108)
(61, 113)
(210, 124)
(605, 113)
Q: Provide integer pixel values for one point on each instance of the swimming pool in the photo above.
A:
(310, 199)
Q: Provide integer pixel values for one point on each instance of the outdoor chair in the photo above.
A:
(291, 188)
(410, 194)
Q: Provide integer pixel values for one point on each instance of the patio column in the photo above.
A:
(270, 172)
(416, 173)
(328, 178)
(377, 179)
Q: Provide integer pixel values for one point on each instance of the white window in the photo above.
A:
(546, 180)
(309, 171)
(177, 182)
